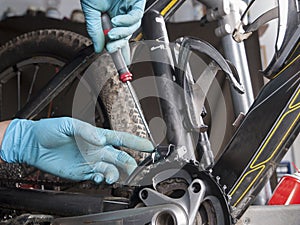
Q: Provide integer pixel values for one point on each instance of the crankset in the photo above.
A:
(168, 191)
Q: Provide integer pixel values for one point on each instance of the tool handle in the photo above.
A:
(124, 73)
(106, 25)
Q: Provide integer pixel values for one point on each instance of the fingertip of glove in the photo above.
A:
(127, 20)
(112, 177)
(98, 178)
(149, 146)
(98, 42)
(98, 48)
(118, 20)
(110, 180)
(130, 169)
(146, 145)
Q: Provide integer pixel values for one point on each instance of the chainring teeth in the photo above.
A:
(175, 187)
(147, 176)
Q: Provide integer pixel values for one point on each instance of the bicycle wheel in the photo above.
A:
(29, 61)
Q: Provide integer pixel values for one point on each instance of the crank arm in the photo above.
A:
(190, 201)
(143, 215)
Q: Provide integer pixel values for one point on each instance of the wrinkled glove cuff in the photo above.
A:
(11, 150)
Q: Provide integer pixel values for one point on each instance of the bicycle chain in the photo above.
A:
(36, 182)
(11, 174)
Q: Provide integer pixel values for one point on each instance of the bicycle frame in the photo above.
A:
(257, 146)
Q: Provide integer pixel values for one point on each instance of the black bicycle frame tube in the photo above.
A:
(268, 130)
(166, 8)
(58, 203)
(171, 101)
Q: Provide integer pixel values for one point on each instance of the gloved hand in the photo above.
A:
(125, 16)
(70, 148)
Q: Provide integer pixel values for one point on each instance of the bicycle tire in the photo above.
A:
(49, 48)
(62, 45)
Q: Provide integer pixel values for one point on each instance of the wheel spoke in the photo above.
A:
(49, 114)
(36, 69)
(19, 89)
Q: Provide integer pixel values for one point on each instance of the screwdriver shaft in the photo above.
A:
(140, 112)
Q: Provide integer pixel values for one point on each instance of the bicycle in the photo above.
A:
(219, 201)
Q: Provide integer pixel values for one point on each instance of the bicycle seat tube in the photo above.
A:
(154, 29)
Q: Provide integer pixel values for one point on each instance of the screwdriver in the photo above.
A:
(125, 75)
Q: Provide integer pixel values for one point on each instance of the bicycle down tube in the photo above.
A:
(268, 130)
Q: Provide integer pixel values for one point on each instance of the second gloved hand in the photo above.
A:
(71, 148)
(125, 16)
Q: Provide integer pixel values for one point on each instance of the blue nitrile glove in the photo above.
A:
(70, 148)
(125, 16)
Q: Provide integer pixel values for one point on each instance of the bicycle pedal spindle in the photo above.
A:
(124, 74)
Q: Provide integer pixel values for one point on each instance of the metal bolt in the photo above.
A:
(246, 221)
(218, 179)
